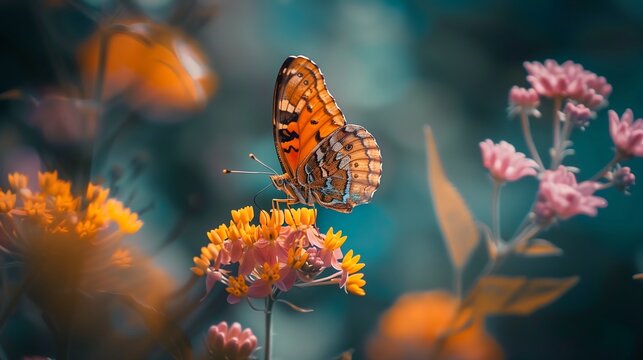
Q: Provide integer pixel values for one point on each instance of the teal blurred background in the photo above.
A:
(393, 67)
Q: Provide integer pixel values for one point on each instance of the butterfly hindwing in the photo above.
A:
(344, 169)
(304, 111)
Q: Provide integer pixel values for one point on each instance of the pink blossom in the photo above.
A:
(568, 80)
(626, 133)
(523, 100)
(579, 115)
(504, 163)
(247, 261)
(287, 278)
(260, 288)
(559, 195)
(271, 250)
(212, 277)
(230, 343)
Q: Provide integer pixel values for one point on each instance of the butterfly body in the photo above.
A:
(325, 160)
(293, 189)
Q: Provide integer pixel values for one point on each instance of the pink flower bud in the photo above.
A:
(623, 178)
(579, 115)
(626, 133)
(524, 100)
(504, 163)
(230, 343)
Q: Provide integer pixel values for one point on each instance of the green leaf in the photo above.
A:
(516, 295)
(456, 222)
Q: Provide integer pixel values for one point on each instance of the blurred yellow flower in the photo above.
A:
(18, 181)
(69, 242)
(7, 201)
(127, 221)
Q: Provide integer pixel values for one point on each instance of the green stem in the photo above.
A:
(529, 139)
(495, 211)
(268, 344)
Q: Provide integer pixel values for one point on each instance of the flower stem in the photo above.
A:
(268, 344)
(556, 129)
(495, 211)
(529, 139)
(558, 151)
(617, 157)
(529, 232)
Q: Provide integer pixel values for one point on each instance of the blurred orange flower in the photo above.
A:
(415, 327)
(155, 67)
(67, 242)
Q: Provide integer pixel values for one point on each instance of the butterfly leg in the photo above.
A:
(287, 202)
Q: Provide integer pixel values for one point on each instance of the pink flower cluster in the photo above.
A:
(273, 256)
(568, 80)
(626, 133)
(230, 342)
(560, 196)
(504, 163)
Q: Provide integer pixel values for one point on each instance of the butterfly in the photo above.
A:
(324, 159)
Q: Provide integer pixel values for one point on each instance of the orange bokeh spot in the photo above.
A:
(412, 327)
(154, 67)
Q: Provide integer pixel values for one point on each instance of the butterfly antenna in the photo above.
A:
(253, 157)
(227, 171)
(254, 199)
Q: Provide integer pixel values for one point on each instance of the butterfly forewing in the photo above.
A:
(344, 169)
(304, 111)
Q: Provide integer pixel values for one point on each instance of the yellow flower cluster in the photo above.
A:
(285, 246)
(56, 209)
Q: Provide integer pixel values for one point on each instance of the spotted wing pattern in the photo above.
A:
(344, 170)
(304, 112)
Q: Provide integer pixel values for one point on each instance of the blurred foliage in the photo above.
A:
(393, 66)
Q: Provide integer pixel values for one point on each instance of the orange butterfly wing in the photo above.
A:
(344, 170)
(304, 111)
